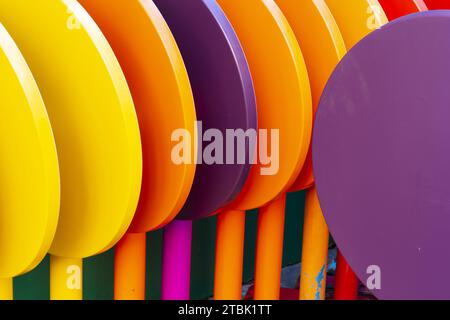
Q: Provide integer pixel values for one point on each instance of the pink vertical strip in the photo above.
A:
(176, 270)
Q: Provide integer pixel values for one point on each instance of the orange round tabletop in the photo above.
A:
(283, 97)
(323, 47)
(159, 84)
(284, 109)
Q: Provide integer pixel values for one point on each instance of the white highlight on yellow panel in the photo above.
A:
(93, 118)
(29, 173)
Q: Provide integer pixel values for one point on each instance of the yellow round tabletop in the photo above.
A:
(357, 18)
(29, 173)
(95, 126)
(283, 96)
(93, 118)
(322, 46)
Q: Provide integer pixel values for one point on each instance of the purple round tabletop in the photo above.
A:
(381, 155)
(223, 94)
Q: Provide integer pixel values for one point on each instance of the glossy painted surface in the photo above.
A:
(356, 18)
(229, 262)
(29, 173)
(398, 8)
(284, 109)
(437, 4)
(160, 86)
(346, 285)
(93, 119)
(355, 21)
(282, 93)
(322, 46)
(269, 250)
(224, 97)
(159, 83)
(395, 184)
(314, 250)
(223, 93)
